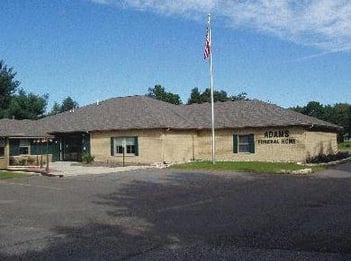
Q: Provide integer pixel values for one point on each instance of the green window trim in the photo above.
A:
(129, 143)
(249, 143)
(2, 148)
(14, 147)
(235, 143)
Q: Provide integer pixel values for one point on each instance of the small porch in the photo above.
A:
(35, 152)
(72, 145)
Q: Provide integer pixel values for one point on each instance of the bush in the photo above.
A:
(322, 158)
(22, 162)
(13, 161)
(30, 161)
(87, 157)
(344, 145)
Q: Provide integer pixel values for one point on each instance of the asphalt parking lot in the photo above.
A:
(166, 214)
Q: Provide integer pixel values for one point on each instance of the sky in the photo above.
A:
(285, 52)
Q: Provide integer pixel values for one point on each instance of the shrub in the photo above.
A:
(87, 157)
(13, 161)
(22, 162)
(322, 158)
(30, 161)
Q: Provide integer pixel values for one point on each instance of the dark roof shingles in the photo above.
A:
(142, 112)
(21, 128)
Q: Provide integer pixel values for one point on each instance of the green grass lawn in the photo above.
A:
(257, 167)
(344, 146)
(10, 175)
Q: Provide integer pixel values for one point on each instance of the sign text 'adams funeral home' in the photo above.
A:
(277, 137)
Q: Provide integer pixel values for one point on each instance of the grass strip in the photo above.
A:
(256, 167)
(10, 175)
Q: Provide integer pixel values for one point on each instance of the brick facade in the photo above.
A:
(291, 144)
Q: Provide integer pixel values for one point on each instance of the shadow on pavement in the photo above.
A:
(190, 212)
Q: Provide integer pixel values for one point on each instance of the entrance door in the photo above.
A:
(72, 147)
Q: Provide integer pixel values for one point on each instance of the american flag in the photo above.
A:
(207, 51)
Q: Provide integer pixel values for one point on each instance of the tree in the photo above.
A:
(205, 96)
(159, 93)
(339, 114)
(66, 105)
(56, 108)
(342, 117)
(195, 96)
(217, 95)
(314, 109)
(27, 106)
(8, 87)
(240, 97)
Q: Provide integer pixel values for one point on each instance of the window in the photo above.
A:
(2, 147)
(244, 143)
(128, 145)
(24, 146)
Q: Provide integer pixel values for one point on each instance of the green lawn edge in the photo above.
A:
(11, 175)
(345, 146)
(243, 166)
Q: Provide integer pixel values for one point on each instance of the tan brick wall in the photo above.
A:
(181, 145)
(2, 163)
(154, 146)
(305, 143)
(282, 150)
(4, 160)
(320, 143)
(149, 141)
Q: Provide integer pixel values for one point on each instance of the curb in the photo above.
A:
(52, 175)
(36, 171)
(298, 172)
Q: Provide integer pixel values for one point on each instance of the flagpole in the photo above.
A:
(211, 87)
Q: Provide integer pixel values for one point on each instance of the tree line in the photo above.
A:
(196, 96)
(16, 103)
(339, 114)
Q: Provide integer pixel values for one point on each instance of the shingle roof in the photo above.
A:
(21, 128)
(142, 112)
(135, 112)
(253, 113)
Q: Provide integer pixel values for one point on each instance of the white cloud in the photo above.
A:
(325, 24)
(100, 1)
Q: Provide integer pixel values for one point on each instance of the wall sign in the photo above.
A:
(276, 137)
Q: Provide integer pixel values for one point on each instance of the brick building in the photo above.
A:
(143, 130)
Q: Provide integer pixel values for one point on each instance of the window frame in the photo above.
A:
(250, 143)
(127, 143)
(24, 143)
(242, 143)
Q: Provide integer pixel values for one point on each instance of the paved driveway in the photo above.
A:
(165, 214)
